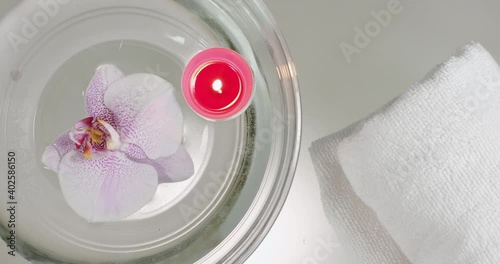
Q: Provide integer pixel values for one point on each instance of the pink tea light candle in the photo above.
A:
(218, 84)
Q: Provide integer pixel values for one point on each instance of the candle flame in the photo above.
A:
(217, 86)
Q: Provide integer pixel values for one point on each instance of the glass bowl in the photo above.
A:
(243, 167)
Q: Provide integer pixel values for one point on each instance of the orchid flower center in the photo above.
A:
(97, 136)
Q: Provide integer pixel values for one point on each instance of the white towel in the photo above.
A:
(426, 169)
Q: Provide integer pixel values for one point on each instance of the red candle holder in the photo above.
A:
(218, 84)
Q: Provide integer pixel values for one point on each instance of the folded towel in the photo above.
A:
(356, 224)
(419, 180)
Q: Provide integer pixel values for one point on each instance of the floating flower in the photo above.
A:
(110, 164)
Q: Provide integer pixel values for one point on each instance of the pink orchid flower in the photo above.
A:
(110, 164)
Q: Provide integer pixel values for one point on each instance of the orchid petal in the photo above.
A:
(94, 97)
(134, 152)
(107, 189)
(147, 113)
(53, 154)
(175, 168)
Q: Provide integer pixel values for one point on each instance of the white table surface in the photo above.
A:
(336, 93)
